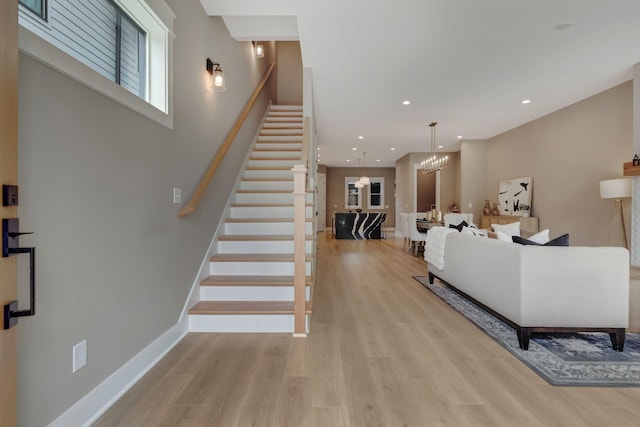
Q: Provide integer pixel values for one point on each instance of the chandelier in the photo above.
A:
(364, 179)
(433, 163)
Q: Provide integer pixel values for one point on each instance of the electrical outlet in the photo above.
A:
(470, 205)
(79, 355)
(177, 196)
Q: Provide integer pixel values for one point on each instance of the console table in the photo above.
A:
(357, 226)
(529, 223)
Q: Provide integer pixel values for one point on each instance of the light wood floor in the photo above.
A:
(383, 351)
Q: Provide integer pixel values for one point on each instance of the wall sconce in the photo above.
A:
(258, 49)
(219, 84)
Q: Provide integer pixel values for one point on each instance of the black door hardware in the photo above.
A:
(11, 246)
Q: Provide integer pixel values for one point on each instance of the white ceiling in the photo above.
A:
(466, 64)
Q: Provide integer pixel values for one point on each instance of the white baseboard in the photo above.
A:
(88, 409)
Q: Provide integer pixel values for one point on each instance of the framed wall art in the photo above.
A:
(514, 197)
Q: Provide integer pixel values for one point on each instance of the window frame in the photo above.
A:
(157, 22)
(352, 180)
(44, 16)
(379, 180)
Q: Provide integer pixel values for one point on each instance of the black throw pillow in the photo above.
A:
(558, 241)
(459, 226)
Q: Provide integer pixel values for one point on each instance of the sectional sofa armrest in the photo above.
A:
(574, 287)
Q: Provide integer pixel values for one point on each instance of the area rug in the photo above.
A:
(563, 359)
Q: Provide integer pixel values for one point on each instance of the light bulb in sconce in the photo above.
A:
(219, 83)
(259, 49)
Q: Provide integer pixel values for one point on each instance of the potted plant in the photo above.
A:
(525, 210)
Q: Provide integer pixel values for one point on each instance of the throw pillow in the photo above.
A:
(459, 226)
(503, 237)
(558, 241)
(541, 237)
(512, 229)
(474, 231)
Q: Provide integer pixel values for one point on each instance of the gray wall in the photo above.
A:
(568, 153)
(115, 265)
(289, 73)
(473, 177)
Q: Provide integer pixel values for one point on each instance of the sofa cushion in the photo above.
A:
(558, 241)
(503, 236)
(474, 231)
(512, 229)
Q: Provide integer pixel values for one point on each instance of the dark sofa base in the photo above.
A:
(616, 335)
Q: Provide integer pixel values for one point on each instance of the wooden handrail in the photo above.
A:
(222, 151)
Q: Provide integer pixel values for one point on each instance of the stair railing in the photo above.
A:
(203, 184)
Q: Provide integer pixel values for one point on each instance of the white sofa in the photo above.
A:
(541, 289)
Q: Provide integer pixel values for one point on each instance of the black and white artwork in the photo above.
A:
(514, 194)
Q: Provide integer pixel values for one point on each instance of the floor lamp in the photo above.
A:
(616, 189)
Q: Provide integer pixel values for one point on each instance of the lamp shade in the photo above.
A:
(615, 188)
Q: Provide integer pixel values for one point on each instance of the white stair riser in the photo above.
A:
(266, 132)
(271, 154)
(270, 163)
(283, 125)
(267, 212)
(285, 145)
(259, 247)
(267, 173)
(280, 119)
(269, 198)
(265, 228)
(266, 138)
(266, 185)
(286, 107)
(242, 323)
(251, 268)
(264, 198)
(248, 293)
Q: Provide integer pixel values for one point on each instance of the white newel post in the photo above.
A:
(635, 193)
(299, 238)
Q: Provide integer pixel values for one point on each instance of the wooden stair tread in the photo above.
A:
(267, 179)
(246, 307)
(265, 205)
(277, 141)
(268, 168)
(281, 159)
(259, 237)
(260, 191)
(254, 258)
(251, 281)
(263, 220)
(276, 150)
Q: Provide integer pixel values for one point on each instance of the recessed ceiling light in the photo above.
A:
(406, 102)
(564, 25)
(361, 137)
(392, 149)
(440, 146)
(459, 136)
(318, 148)
(354, 149)
(348, 160)
(526, 101)
(377, 160)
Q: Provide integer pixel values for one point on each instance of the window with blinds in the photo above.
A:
(102, 36)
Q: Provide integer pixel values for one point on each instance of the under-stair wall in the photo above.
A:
(246, 283)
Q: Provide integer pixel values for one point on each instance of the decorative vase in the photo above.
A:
(487, 209)
(495, 211)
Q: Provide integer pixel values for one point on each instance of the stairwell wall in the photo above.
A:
(115, 264)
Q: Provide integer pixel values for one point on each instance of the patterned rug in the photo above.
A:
(565, 359)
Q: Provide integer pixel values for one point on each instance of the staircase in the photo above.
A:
(250, 286)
